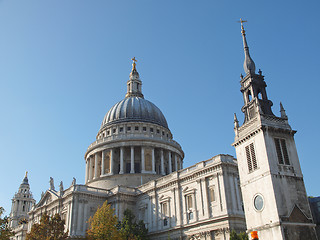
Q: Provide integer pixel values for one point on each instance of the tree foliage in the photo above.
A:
(50, 228)
(132, 230)
(5, 231)
(103, 225)
(240, 236)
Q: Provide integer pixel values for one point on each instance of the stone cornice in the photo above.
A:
(265, 128)
(245, 138)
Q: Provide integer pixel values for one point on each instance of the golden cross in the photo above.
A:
(134, 59)
(26, 174)
(134, 63)
(242, 21)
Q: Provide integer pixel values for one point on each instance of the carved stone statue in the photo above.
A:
(51, 183)
(73, 181)
(61, 186)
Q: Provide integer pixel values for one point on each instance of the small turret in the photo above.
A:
(283, 112)
(235, 121)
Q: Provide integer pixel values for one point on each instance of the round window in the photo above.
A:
(258, 202)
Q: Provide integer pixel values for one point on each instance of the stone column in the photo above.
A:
(204, 191)
(79, 220)
(237, 192)
(87, 171)
(95, 165)
(143, 167)
(176, 161)
(170, 162)
(150, 207)
(153, 162)
(195, 207)
(162, 163)
(102, 163)
(121, 160)
(90, 169)
(132, 160)
(111, 160)
(85, 215)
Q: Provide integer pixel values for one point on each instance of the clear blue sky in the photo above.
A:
(63, 64)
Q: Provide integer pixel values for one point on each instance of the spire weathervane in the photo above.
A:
(26, 174)
(134, 63)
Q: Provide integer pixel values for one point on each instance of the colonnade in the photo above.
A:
(145, 160)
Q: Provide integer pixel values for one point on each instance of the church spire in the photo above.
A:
(134, 83)
(248, 65)
(253, 86)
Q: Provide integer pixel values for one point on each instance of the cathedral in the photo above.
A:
(134, 163)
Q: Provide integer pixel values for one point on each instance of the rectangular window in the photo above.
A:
(148, 159)
(144, 129)
(165, 213)
(151, 130)
(136, 128)
(251, 157)
(282, 152)
(165, 209)
(189, 201)
(128, 128)
(121, 129)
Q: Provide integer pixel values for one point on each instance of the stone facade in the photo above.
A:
(203, 200)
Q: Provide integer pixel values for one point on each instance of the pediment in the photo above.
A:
(47, 198)
(297, 216)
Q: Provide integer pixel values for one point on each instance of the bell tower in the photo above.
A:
(21, 205)
(273, 191)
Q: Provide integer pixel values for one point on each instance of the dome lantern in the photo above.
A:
(134, 83)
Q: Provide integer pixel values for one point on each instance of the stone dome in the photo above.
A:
(134, 109)
(134, 144)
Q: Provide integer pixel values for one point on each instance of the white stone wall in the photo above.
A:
(280, 185)
(216, 218)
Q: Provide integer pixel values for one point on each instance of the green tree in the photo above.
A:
(50, 228)
(240, 236)
(103, 225)
(5, 231)
(132, 230)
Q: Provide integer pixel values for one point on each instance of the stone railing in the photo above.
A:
(133, 136)
(84, 188)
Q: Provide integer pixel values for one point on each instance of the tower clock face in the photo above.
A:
(258, 202)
